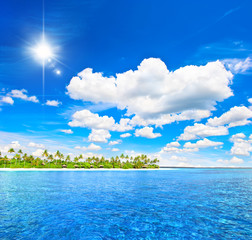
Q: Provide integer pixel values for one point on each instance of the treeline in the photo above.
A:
(58, 160)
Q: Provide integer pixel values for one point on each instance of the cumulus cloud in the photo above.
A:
(199, 130)
(146, 132)
(203, 144)
(188, 88)
(99, 135)
(53, 103)
(125, 135)
(14, 144)
(38, 153)
(250, 100)
(67, 131)
(234, 160)
(173, 144)
(91, 147)
(236, 116)
(8, 100)
(164, 119)
(237, 136)
(35, 145)
(22, 94)
(115, 149)
(85, 118)
(236, 65)
(111, 143)
(241, 146)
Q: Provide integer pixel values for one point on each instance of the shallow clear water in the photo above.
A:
(168, 204)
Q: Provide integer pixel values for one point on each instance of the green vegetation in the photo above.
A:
(22, 160)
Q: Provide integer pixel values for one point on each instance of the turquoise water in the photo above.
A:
(165, 204)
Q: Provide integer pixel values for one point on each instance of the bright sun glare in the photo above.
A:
(43, 51)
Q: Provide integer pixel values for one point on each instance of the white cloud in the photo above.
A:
(164, 119)
(94, 147)
(241, 146)
(111, 143)
(115, 149)
(91, 147)
(8, 100)
(146, 132)
(85, 118)
(236, 65)
(53, 103)
(188, 88)
(99, 135)
(68, 131)
(123, 125)
(22, 94)
(250, 100)
(89, 86)
(199, 130)
(38, 153)
(124, 135)
(173, 144)
(35, 145)
(203, 144)
(237, 136)
(14, 144)
(236, 116)
(234, 160)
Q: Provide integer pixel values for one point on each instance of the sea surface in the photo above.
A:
(163, 204)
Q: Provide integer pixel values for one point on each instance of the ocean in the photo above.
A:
(158, 204)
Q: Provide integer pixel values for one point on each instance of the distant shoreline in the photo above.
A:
(108, 169)
(75, 169)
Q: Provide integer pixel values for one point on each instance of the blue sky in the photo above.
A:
(174, 75)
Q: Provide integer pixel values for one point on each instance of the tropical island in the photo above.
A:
(58, 160)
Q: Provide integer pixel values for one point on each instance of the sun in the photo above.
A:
(43, 51)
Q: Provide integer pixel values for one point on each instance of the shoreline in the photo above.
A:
(73, 169)
(108, 169)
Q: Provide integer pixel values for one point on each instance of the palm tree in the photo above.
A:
(61, 157)
(20, 152)
(68, 158)
(11, 150)
(76, 159)
(113, 161)
(57, 154)
(17, 157)
(50, 157)
(45, 154)
(5, 158)
(25, 157)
